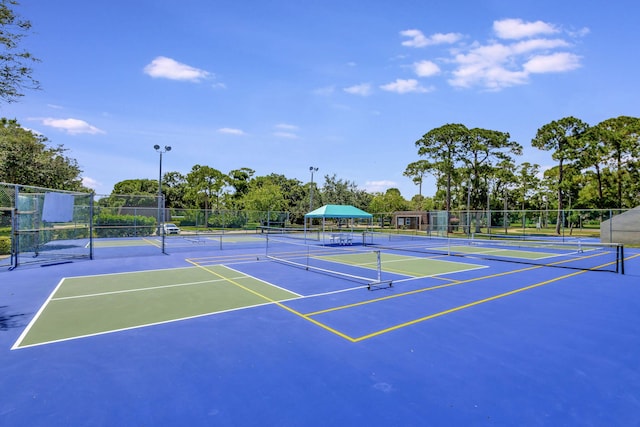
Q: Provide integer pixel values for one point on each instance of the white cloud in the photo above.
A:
(405, 86)
(163, 67)
(518, 29)
(287, 135)
(90, 182)
(363, 89)
(418, 39)
(426, 68)
(519, 50)
(72, 126)
(286, 126)
(499, 65)
(553, 63)
(231, 131)
(286, 130)
(379, 186)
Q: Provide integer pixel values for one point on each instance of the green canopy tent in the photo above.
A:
(337, 212)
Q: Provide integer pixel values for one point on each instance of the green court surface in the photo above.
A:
(401, 264)
(507, 253)
(114, 243)
(90, 305)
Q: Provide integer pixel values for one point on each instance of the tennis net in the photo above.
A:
(291, 232)
(362, 266)
(575, 254)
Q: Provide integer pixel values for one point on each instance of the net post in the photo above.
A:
(621, 247)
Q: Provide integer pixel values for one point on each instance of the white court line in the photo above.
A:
(124, 291)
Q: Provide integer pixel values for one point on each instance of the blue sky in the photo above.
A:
(345, 86)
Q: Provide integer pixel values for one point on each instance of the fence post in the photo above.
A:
(610, 226)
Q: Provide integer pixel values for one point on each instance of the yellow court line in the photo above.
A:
(415, 321)
(455, 283)
(417, 291)
(462, 307)
(482, 301)
(151, 242)
(279, 304)
(225, 258)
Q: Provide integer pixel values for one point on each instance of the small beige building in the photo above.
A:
(411, 220)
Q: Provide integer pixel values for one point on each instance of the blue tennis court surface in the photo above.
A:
(233, 337)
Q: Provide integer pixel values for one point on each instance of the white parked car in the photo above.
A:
(171, 228)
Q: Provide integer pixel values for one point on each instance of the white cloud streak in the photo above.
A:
(72, 126)
(418, 39)
(426, 68)
(167, 68)
(518, 29)
(231, 131)
(379, 186)
(403, 86)
(363, 89)
(524, 51)
(555, 63)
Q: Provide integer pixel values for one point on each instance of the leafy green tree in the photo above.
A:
(133, 193)
(205, 186)
(174, 187)
(136, 186)
(621, 136)
(480, 152)
(527, 182)
(16, 73)
(416, 171)
(239, 180)
(443, 148)
(26, 159)
(265, 198)
(421, 203)
(563, 138)
(336, 191)
(390, 201)
(593, 159)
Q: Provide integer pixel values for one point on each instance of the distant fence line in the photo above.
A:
(46, 225)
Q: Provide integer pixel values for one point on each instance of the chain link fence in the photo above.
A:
(48, 226)
(40, 225)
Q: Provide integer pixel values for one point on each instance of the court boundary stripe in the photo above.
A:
(464, 306)
(124, 291)
(280, 304)
(417, 291)
(129, 328)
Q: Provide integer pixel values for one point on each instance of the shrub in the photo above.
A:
(110, 225)
(5, 245)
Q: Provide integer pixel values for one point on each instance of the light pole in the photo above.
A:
(166, 149)
(312, 170)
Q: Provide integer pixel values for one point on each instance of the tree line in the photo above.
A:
(598, 167)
